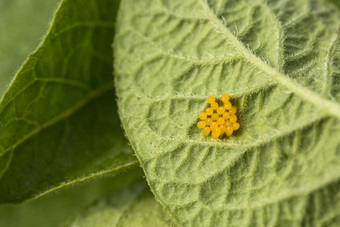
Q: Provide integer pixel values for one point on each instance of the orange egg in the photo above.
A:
(211, 99)
(216, 133)
(225, 98)
(206, 131)
(201, 124)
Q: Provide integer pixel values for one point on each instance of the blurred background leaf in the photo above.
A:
(133, 206)
(54, 208)
(22, 24)
(336, 2)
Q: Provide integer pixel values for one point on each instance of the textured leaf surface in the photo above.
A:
(279, 61)
(58, 119)
(55, 208)
(22, 26)
(134, 206)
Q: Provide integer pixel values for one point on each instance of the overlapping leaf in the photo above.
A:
(133, 206)
(58, 121)
(279, 62)
(55, 208)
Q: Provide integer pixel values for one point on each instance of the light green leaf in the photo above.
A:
(279, 62)
(58, 119)
(133, 206)
(22, 26)
(53, 209)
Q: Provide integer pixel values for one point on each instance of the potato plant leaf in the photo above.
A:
(58, 121)
(279, 62)
(133, 206)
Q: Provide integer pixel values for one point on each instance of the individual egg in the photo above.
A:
(206, 131)
(209, 111)
(214, 105)
(216, 133)
(236, 126)
(227, 105)
(220, 110)
(211, 99)
(203, 116)
(208, 121)
(225, 98)
(201, 124)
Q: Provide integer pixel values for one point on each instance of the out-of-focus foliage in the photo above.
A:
(22, 24)
(55, 208)
(133, 206)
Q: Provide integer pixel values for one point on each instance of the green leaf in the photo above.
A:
(132, 206)
(336, 2)
(58, 119)
(55, 208)
(279, 62)
(22, 26)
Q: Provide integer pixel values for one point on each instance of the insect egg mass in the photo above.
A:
(218, 120)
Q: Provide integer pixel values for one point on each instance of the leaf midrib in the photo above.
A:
(325, 105)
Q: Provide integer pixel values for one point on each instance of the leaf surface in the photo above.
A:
(58, 119)
(133, 206)
(279, 62)
(57, 207)
(22, 28)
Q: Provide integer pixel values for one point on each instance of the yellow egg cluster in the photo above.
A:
(218, 119)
